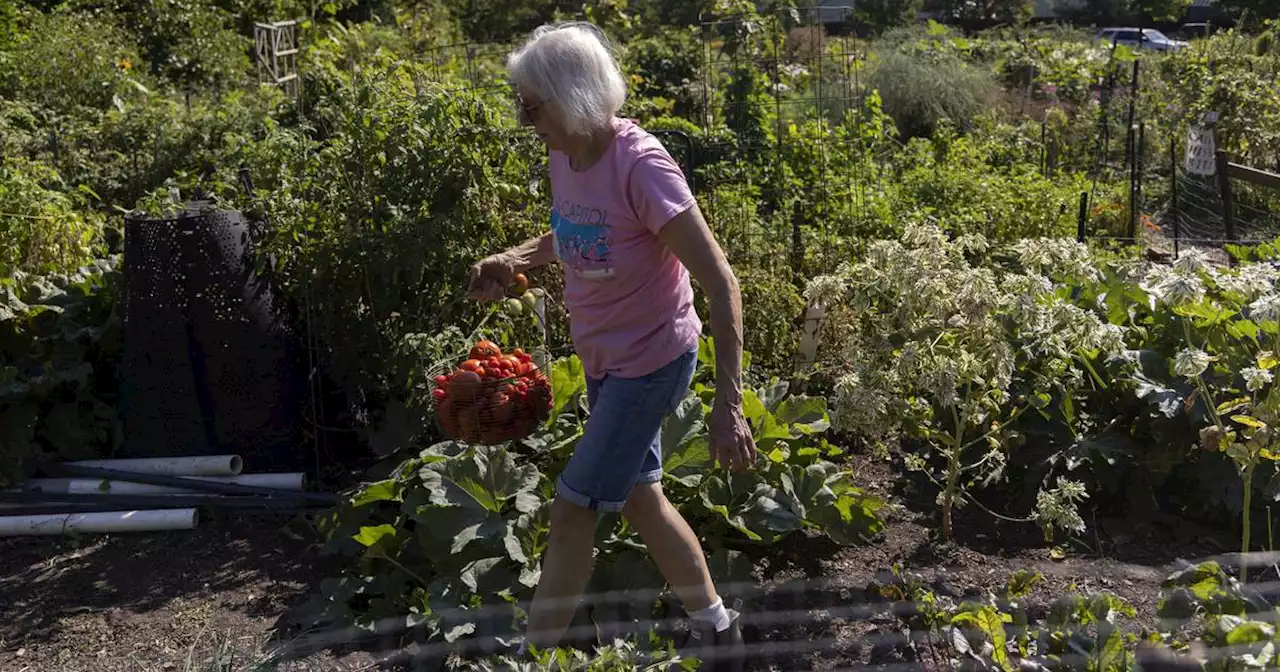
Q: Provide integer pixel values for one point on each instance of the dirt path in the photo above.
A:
(193, 601)
(207, 600)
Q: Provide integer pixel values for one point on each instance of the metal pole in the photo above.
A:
(1139, 163)
(1044, 153)
(1133, 183)
(1173, 191)
(1084, 211)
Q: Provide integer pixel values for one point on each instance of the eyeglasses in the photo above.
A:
(527, 111)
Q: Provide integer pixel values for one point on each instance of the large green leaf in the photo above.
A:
(376, 536)
(486, 477)
(684, 438)
(1247, 632)
(852, 516)
(990, 622)
(626, 569)
(529, 535)
(730, 496)
(380, 491)
(752, 408)
(774, 511)
(805, 415)
(1206, 580)
(492, 528)
(771, 431)
(729, 567)
(773, 395)
(488, 575)
(1168, 400)
(568, 382)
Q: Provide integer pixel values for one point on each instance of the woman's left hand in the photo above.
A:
(731, 442)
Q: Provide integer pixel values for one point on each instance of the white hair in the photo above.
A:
(571, 67)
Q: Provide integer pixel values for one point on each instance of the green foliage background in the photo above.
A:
(401, 164)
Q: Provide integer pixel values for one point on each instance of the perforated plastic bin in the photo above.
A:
(486, 408)
(211, 363)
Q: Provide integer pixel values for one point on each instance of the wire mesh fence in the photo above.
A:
(890, 622)
(792, 183)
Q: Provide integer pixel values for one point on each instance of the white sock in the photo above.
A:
(715, 615)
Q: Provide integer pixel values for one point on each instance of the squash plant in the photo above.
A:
(59, 347)
(453, 537)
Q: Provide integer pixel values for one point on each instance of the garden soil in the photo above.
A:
(208, 599)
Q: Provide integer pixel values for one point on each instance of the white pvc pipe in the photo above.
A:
(282, 481)
(199, 465)
(56, 485)
(150, 520)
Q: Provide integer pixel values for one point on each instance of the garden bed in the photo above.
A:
(209, 599)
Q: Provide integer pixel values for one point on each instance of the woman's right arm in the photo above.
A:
(533, 253)
(492, 275)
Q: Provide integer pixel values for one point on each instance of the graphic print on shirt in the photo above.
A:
(583, 240)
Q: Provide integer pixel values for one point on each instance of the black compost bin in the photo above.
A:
(211, 364)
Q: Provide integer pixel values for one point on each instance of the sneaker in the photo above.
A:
(723, 651)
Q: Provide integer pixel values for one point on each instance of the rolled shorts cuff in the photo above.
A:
(564, 491)
(649, 477)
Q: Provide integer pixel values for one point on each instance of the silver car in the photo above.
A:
(1143, 38)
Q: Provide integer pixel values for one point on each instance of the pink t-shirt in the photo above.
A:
(629, 298)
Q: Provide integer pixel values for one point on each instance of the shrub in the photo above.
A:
(951, 179)
(385, 213)
(771, 308)
(924, 339)
(44, 224)
(67, 61)
(667, 65)
(194, 44)
(919, 91)
(59, 345)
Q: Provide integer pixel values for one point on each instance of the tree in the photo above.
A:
(880, 15)
(1119, 10)
(1251, 11)
(990, 11)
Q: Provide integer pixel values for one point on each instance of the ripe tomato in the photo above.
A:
(466, 385)
(518, 353)
(520, 283)
(438, 394)
(442, 381)
(447, 418)
(468, 425)
(470, 365)
(485, 349)
(500, 410)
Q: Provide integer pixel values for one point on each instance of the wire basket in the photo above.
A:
(493, 397)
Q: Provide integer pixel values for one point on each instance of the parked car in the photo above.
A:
(1143, 38)
(1189, 31)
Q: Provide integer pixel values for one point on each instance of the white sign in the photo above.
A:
(1201, 148)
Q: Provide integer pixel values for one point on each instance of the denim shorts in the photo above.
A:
(622, 444)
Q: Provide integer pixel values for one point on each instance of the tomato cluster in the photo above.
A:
(492, 397)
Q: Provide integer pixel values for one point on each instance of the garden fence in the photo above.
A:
(856, 620)
(760, 219)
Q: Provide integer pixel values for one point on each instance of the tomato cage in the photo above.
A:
(493, 397)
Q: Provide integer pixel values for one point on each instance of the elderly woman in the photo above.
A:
(628, 233)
